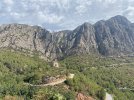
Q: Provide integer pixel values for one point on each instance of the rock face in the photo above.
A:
(115, 36)
(81, 40)
(111, 37)
(24, 37)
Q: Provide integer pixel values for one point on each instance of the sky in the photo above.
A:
(57, 15)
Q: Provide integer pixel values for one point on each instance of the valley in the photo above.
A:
(93, 76)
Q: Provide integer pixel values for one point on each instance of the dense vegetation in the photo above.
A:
(17, 68)
(93, 76)
(115, 75)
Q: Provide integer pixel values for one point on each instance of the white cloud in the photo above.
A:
(49, 18)
(80, 9)
(129, 12)
(130, 8)
(62, 14)
(8, 2)
(82, 6)
(130, 0)
(107, 1)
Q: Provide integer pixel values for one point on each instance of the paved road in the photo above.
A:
(108, 96)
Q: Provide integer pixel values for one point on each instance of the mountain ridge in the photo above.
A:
(112, 37)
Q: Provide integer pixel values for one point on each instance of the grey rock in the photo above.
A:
(111, 37)
(115, 36)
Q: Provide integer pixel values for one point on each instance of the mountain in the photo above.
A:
(79, 41)
(115, 36)
(106, 37)
(25, 38)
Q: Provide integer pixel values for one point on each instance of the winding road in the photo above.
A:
(108, 96)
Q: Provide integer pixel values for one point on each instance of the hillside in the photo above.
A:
(17, 68)
(94, 77)
(113, 37)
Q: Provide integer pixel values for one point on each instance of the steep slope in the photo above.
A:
(49, 45)
(79, 41)
(115, 36)
(84, 39)
(26, 38)
(111, 37)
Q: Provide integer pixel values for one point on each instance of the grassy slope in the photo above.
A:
(110, 73)
(15, 68)
(92, 76)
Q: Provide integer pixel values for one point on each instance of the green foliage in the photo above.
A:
(92, 76)
(109, 73)
(70, 95)
(57, 97)
(17, 68)
(101, 94)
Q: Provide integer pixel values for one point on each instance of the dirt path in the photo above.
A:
(49, 84)
(54, 82)
(111, 65)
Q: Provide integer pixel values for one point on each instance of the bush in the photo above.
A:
(57, 96)
(102, 94)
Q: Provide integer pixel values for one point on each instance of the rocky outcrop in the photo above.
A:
(81, 96)
(109, 38)
(115, 36)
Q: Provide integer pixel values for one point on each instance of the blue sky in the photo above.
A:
(62, 14)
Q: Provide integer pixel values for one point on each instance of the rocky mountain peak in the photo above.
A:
(114, 36)
(111, 37)
(120, 20)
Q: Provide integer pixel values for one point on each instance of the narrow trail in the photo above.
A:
(112, 65)
(48, 84)
(120, 64)
(125, 88)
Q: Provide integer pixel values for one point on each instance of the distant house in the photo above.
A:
(55, 64)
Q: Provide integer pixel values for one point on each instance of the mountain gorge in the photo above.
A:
(106, 37)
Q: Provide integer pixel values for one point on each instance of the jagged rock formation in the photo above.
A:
(115, 36)
(111, 37)
(81, 40)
